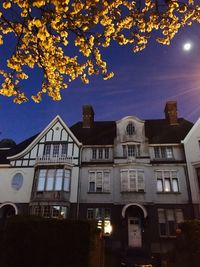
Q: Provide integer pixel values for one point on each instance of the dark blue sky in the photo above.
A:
(142, 84)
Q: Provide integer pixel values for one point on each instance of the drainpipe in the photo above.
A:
(79, 182)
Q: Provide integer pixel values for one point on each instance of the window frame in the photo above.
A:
(100, 153)
(168, 185)
(45, 178)
(102, 216)
(55, 149)
(131, 150)
(163, 152)
(97, 186)
(169, 220)
(130, 129)
(47, 211)
(132, 174)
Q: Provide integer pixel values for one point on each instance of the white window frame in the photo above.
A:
(102, 186)
(131, 150)
(54, 150)
(132, 177)
(100, 153)
(44, 180)
(167, 182)
(163, 152)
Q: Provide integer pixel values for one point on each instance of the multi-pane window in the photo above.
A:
(100, 153)
(132, 180)
(102, 215)
(163, 152)
(131, 150)
(167, 181)
(53, 180)
(99, 181)
(55, 150)
(130, 129)
(50, 211)
(169, 220)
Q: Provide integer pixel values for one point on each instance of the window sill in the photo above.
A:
(98, 192)
(168, 236)
(168, 193)
(138, 192)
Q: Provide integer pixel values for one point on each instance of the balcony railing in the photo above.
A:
(52, 160)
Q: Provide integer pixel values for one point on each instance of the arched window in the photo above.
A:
(130, 129)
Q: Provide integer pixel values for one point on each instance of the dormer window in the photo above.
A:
(130, 129)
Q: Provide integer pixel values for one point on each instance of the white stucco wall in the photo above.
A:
(7, 193)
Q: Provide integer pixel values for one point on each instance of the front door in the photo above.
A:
(134, 232)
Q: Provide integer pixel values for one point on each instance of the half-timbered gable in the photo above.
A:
(49, 165)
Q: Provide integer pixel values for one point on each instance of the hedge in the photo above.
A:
(37, 242)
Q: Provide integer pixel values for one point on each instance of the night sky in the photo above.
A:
(142, 84)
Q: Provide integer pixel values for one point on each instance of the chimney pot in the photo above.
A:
(88, 116)
(171, 112)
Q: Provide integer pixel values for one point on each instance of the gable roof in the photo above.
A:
(15, 150)
(161, 132)
(100, 133)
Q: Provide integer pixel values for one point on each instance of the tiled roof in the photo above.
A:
(161, 132)
(100, 133)
(15, 150)
(104, 133)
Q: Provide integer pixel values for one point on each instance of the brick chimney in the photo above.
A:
(88, 116)
(171, 112)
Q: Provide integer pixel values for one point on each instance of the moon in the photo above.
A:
(187, 46)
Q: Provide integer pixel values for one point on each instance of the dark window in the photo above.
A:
(198, 176)
(130, 129)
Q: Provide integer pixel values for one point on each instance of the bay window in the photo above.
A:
(53, 179)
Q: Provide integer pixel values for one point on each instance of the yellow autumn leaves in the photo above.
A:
(65, 39)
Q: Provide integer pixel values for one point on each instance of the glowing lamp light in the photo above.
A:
(187, 46)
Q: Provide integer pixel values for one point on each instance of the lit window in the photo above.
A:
(102, 215)
(130, 129)
(41, 180)
(167, 181)
(50, 211)
(50, 180)
(53, 180)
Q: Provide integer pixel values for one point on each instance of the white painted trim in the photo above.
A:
(10, 204)
(134, 204)
(170, 144)
(192, 130)
(40, 136)
(131, 118)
